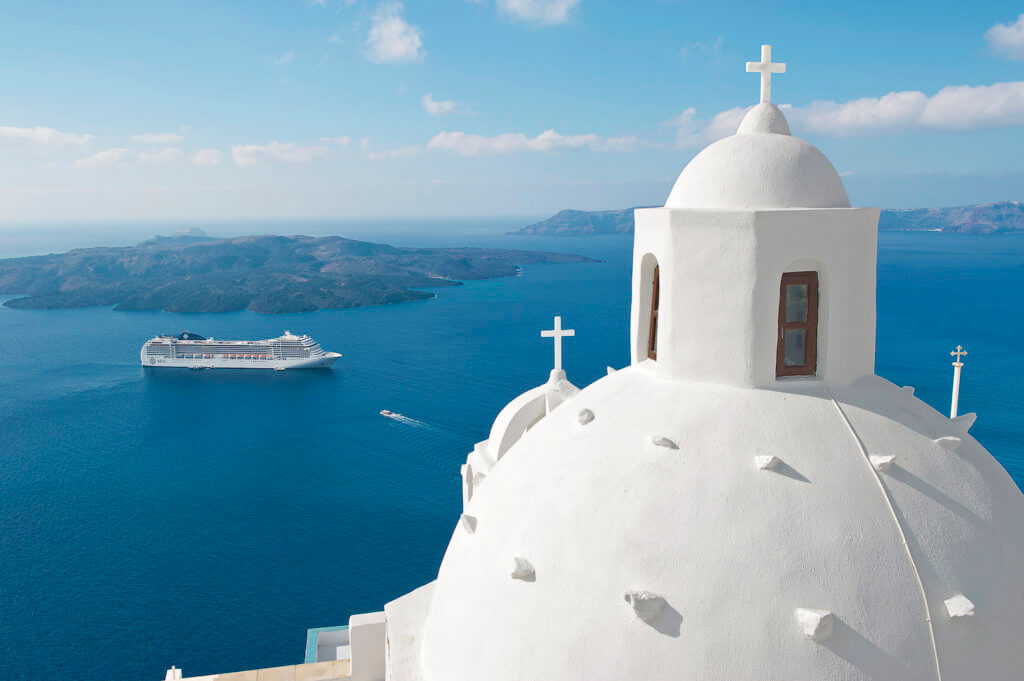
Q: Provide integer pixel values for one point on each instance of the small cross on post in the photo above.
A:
(558, 333)
(959, 353)
(766, 68)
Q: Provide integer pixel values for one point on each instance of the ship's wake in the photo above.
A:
(406, 420)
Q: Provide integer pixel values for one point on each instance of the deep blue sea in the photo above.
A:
(207, 519)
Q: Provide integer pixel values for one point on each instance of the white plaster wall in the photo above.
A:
(650, 244)
(643, 289)
(842, 245)
(406, 616)
(706, 282)
(367, 636)
(720, 274)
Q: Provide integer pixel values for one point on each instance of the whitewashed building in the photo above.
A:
(746, 500)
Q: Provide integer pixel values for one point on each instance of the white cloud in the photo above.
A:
(207, 157)
(276, 152)
(1007, 39)
(436, 108)
(158, 138)
(515, 142)
(465, 144)
(957, 107)
(167, 155)
(713, 49)
(392, 38)
(954, 108)
(398, 152)
(621, 144)
(107, 157)
(122, 156)
(963, 107)
(693, 132)
(545, 12)
(343, 141)
(284, 58)
(866, 116)
(44, 136)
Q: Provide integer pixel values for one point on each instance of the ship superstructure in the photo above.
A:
(192, 351)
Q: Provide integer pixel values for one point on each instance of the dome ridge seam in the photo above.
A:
(896, 520)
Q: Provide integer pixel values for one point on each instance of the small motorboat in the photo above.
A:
(386, 412)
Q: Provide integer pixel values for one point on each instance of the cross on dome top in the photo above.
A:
(558, 333)
(959, 353)
(766, 68)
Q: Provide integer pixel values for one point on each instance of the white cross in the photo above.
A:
(957, 366)
(558, 333)
(766, 68)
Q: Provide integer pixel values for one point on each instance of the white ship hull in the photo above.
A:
(191, 351)
(214, 363)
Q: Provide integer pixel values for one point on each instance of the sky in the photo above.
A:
(294, 109)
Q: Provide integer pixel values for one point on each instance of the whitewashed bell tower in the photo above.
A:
(756, 269)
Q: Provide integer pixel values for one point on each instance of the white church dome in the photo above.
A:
(599, 511)
(761, 166)
(747, 499)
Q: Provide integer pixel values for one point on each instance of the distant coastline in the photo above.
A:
(192, 272)
(985, 218)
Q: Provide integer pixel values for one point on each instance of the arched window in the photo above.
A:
(797, 353)
(652, 340)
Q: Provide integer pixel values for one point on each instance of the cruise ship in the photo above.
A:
(191, 351)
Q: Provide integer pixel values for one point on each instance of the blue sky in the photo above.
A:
(190, 110)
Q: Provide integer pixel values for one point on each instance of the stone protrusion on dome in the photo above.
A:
(964, 422)
(523, 570)
(949, 442)
(467, 483)
(585, 416)
(558, 390)
(467, 523)
(662, 441)
(767, 461)
(959, 606)
(882, 462)
(647, 605)
(816, 625)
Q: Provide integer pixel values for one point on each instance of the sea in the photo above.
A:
(207, 519)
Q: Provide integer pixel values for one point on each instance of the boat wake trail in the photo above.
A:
(405, 420)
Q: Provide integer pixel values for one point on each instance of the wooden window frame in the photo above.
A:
(652, 332)
(810, 365)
